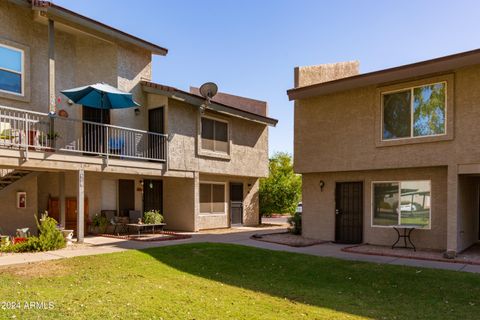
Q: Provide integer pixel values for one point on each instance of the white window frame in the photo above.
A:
(398, 225)
(228, 134)
(224, 197)
(411, 89)
(22, 73)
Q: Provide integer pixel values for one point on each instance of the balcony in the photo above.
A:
(41, 132)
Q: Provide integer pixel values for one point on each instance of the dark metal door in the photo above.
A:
(349, 212)
(126, 196)
(236, 203)
(94, 135)
(153, 195)
(156, 124)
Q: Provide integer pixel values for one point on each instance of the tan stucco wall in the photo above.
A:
(179, 204)
(248, 147)
(337, 132)
(80, 59)
(319, 207)
(309, 75)
(12, 218)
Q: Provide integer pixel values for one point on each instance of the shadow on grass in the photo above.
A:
(363, 289)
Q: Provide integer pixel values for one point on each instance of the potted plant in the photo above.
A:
(152, 217)
(99, 224)
(4, 241)
(48, 140)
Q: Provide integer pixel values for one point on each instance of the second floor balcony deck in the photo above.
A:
(41, 132)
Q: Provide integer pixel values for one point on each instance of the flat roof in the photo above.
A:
(55, 12)
(198, 100)
(418, 69)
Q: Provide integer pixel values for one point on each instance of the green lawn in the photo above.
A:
(220, 281)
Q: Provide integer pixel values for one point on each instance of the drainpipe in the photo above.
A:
(51, 77)
(51, 65)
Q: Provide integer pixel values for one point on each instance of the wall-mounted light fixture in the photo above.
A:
(137, 111)
(322, 184)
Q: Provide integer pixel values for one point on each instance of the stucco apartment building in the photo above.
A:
(393, 148)
(197, 162)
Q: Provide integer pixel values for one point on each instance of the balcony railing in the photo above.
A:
(29, 130)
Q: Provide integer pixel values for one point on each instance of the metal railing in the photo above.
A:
(30, 130)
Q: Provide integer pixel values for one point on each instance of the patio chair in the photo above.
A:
(116, 146)
(134, 216)
(115, 221)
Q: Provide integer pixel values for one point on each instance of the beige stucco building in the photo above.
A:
(396, 148)
(192, 159)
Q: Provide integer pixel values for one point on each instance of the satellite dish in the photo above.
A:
(208, 90)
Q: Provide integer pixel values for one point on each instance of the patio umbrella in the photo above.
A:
(101, 96)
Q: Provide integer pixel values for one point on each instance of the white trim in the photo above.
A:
(22, 73)
(216, 213)
(399, 182)
(228, 135)
(411, 90)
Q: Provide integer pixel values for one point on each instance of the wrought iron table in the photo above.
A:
(140, 226)
(407, 231)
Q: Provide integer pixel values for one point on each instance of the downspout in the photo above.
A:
(51, 78)
(51, 65)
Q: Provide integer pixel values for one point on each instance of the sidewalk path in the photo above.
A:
(101, 245)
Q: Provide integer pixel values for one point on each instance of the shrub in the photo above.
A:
(295, 222)
(100, 222)
(152, 217)
(50, 238)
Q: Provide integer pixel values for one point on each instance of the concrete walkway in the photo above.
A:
(101, 245)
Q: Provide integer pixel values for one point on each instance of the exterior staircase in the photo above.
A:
(10, 176)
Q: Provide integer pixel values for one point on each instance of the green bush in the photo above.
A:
(282, 190)
(152, 217)
(50, 238)
(295, 222)
(100, 222)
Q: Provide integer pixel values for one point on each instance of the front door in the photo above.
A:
(70, 212)
(156, 124)
(126, 197)
(236, 203)
(349, 212)
(152, 195)
(93, 134)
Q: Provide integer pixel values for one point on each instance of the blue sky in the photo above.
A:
(250, 47)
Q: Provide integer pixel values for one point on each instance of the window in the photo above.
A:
(11, 70)
(212, 198)
(415, 112)
(401, 203)
(214, 135)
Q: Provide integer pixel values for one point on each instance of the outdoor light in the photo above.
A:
(322, 184)
(150, 185)
(137, 111)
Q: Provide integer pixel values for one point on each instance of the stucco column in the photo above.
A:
(80, 205)
(61, 192)
(452, 208)
(196, 199)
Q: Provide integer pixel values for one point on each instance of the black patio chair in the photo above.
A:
(134, 216)
(115, 221)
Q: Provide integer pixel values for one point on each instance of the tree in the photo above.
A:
(281, 191)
